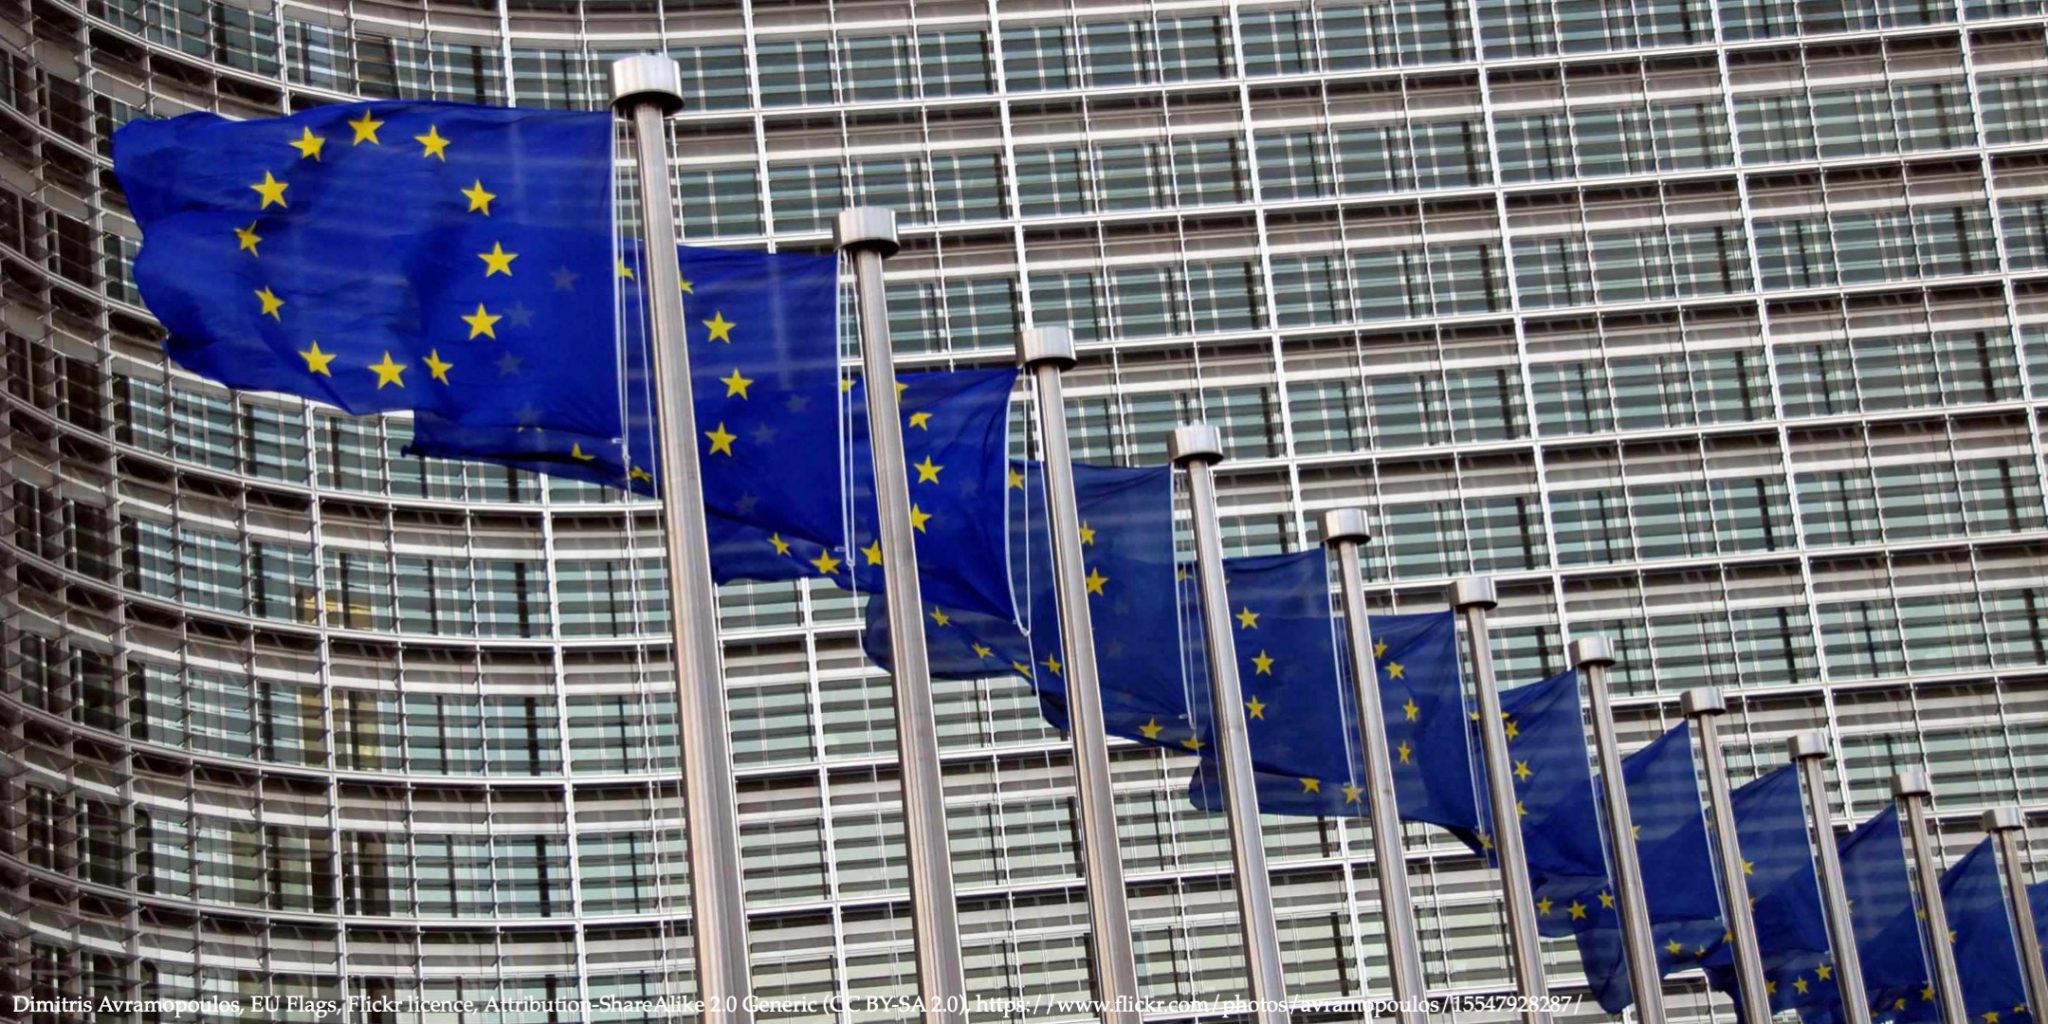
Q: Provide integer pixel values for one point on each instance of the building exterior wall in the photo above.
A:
(1721, 329)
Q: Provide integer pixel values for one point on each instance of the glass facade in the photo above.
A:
(1720, 328)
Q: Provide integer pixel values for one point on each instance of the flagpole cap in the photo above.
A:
(1590, 651)
(1037, 346)
(648, 78)
(1807, 745)
(1195, 442)
(1911, 784)
(1474, 592)
(866, 227)
(1346, 525)
(2004, 819)
(1702, 700)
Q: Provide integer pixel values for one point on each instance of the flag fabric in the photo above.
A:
(1980, 933)
(1682, 902)
(1791, 925)
(1554, 797)
(383, 256)
(762, 330)
(1883, 910)
(1423, 701)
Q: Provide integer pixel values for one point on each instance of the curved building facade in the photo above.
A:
(1720, 328)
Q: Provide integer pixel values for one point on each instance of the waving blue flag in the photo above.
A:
(1884, 912)
(1791, 927)
(1980, 930)
(1423, 701)
(1554, 794)
(384, 256)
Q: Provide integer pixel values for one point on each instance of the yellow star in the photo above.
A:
(1512, 730)
(1607, 900)
(1404, 750)
(983, 652)
(1152, 729)
(1016, 480)
(479, 199)
(919, 517)
(272, 191)
(576, 452)
(271, 303)
(1990, 1016)
(1087, 534)
(721, 328)
(1749, 867)
(1022, 669)
(432, 144)
(1192, 743)
(923, 421)
(1255, 707)
(1824, 971)
(1801, 985)
(316, 360)
(1352, 793)
(636, 473)
(497, 261)
(1771, 988)
(1379, 649)
(827, 565)
(683, 284)
(389, 372)
(873, 552)
(1523, 771)
(1485, 841)
(1927, 993)
(482, 322)
(308, 144)
(1396, 670)
(781, 546)
(1412, 709)
(939, 616)
(721, 442)
(1052, 663)
(1095, 580)
(1521, 811)
(1247, 619)
(247, 238)
(1262, 664)
(1577, 910)
(736, 384)
(927, 471)
(436, 367)
(1543, 906)
(366, 129)
(1311, 785)
(1899, 1003)
(625, 272)
(1674, 946)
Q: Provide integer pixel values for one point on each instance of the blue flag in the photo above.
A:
(1554, 793)
(763, 336)
(1980, 932)
(1883, 910)
(1678, 874)
(383, 256)
(1791, 926)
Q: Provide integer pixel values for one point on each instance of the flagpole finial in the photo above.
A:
(1195, 442)
(1809, 744)
(1591, 650)
(866, 227)
(1909, 784)
(1042, 345)
(1346, 524)
(1474, 592)
(647, 78)
(2004, 819)
(1702, 700)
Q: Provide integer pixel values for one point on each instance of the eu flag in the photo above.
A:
(1678, 872)
(1553, 792)
(1880, 893)
(1980, 932)
(762, 333)
(1791, 926)
(383, 256)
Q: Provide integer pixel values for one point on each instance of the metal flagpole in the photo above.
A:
(1345, 530)
(1593, 655)
(1045, 352)
(1473, 597)
(1197, 447)
(2005, 825)
(1705, 706)
(1810, 751)
(647, 89)
(869, 234)
(1912, 790)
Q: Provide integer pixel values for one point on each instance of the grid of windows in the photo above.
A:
(1719, 327)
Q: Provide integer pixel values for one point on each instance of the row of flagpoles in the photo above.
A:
(647, 89)
(357, 226)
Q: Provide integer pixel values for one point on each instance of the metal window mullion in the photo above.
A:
(569, 822)
(822, 774)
